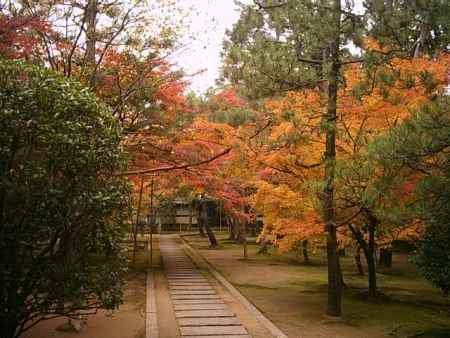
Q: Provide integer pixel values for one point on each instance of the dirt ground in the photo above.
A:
(293, 295)
(126, 322)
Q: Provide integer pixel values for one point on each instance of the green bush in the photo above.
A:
(61, 206)
(433, 256)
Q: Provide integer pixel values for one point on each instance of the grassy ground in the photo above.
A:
(293, 295)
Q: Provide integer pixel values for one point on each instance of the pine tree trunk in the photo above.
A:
(91, 40)
(332, 66)
(305, 252)
(371, 262)
(91, 17)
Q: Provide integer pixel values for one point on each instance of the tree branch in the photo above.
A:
(175, 167)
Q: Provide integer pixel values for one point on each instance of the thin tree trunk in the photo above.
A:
(190, 216)
(138, 215)
(201, 228)
(232, 227)
(244, 238)
(152, 221)
(371, 262)
(211, 236)
(332, 69)
(240, 232)
(305, 252)
(358, 260)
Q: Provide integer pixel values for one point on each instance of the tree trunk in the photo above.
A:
(358, 260)
(371, 262)
(232, 228)
(244, 238)
(211, 236)
(201, 228)
(305, 252)
(240, 232)
(138, 216)
(331, 64)
(91, 39)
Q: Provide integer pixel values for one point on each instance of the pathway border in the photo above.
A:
(151, 317)
(271, 327)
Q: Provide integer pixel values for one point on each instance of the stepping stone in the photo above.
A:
(214, 321)
(183, 272)
(192, 292)
(203, 313)
(190, 287)
(209, 330)
(227, 336)
(188, 283)
(187, 279)
(182, 275)
(178, 307)
(195, 297)
(197, 301)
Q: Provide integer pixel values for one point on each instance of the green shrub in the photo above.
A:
(61, 206)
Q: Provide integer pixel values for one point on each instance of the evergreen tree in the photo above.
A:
(420, 148)
(278, 46)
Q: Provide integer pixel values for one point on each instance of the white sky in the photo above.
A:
(208, 21)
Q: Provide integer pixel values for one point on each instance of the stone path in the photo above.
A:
(199, 310)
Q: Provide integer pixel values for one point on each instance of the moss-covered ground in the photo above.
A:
(293, 294)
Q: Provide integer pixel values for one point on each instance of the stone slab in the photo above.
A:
(195, 297)
(203, 313)
(209, 330)
(197, 301)
(208, 321)
(178, 307)
(222, 336)
(188, 279)
(190, 287)
(172, 283)
(192, 292)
